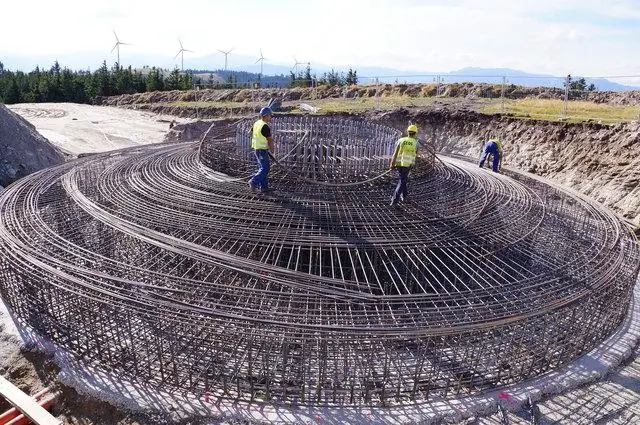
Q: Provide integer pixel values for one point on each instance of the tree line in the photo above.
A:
(579, 84)
(59, 84)
(304, 78)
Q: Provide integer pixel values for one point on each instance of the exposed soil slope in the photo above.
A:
(22, 149)
(457, 90)
(600, 161)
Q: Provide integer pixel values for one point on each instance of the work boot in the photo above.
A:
(253, 187)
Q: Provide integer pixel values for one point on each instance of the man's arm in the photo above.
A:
(395, 155)
(272, 147)
(266, 132)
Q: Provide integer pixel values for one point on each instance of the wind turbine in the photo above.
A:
(117, 46)
(181, 52)
(295, 65)
(261, 60)
(225, 56)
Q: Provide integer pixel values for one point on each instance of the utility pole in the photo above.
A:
(567, 81)
(504, 81)
(195, 96)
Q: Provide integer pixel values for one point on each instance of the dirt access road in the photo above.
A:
(78, 129)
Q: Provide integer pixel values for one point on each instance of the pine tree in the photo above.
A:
(308, 80)
(174, 80)
(12, 92)
(352, 77)
(154, 80)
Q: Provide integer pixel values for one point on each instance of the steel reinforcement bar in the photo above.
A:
(152, 264)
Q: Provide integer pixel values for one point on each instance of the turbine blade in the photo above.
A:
(114, 33)
(114, 47)
(177, 54)
(257, 61)
(181, 48)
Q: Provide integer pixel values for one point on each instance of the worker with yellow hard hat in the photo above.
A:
(403, 159)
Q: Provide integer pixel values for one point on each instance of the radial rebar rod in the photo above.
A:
(159, 263)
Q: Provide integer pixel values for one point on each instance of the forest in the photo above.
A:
(59, 84)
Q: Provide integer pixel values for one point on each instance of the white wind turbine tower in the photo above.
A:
(181, 52)
(261, 60)
(117, 46)
(225, 56)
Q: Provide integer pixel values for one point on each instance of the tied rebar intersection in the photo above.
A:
(160, 264)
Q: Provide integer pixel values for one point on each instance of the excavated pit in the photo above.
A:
(160, 264)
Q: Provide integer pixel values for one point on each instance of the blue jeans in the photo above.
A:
(260, 178)
(401, 188)
(491, 148)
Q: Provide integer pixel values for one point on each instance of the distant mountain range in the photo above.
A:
(279, 74)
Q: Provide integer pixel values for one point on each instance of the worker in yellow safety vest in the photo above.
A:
(403, 159)
(263, 146)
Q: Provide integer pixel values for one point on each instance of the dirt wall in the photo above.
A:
(22, 149)
(600, 161)
(454, 90)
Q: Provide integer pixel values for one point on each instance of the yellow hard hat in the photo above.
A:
(412, 129)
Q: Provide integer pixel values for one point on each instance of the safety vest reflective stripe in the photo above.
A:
(258, 141)
(407, 153)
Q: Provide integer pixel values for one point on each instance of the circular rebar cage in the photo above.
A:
(149, 263)
(334, 150)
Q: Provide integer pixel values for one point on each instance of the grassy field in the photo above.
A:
(554, 110)
(539, 109)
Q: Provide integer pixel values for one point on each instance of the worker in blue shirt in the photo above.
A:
(493, 147)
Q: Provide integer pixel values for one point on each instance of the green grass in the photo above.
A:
(554, 110)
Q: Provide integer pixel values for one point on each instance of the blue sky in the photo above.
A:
(586, 37)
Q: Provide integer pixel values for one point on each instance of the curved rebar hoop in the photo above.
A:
(332, 150)
(149, 263)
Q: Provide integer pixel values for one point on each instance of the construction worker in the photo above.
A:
(493, 147)
(262, 144)
(403, 159)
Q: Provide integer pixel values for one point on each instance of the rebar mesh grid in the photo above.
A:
(318, 150)
(149, 263)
